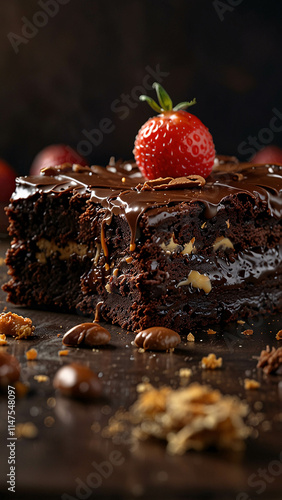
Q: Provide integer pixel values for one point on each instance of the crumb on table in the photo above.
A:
(190, 337)
(211, 362)
(250, 384)
(31, 354)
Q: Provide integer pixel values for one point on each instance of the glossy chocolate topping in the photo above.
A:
(117, 189)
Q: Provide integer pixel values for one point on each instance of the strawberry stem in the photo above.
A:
(165, 102)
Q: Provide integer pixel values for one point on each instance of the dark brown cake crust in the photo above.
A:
(148, 256)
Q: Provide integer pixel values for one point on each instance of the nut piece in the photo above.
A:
(250, 384)
(90, 334)
(270, 360)
(197, 280)
(222, 242)
(16, 326)
(163, 183)
(9, 369)
(78, 381)
(157, 338)
(211, 362)
(193, 418)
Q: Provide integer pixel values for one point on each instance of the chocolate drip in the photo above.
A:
(114, 188)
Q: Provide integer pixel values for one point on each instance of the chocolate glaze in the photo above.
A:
(115, 189)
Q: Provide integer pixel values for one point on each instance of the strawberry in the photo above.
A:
(174, 143)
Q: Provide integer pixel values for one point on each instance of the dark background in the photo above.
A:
(66, 77)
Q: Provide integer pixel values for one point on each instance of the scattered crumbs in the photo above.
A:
(247, 332)
(141, 350)
(211, 332)
(241, 322)
(227, 223)
(3, 339)
(185, 372)
(63, 352)
(49, 421)
(61, 326)
(191, 418)
(95, 350)
(26, 430)
(279, 335)
(41, 378)
(59, 334)
(51, 402)
(211, 362)
(250, 384)
(190, 337)
(203, 225)
(31, 354)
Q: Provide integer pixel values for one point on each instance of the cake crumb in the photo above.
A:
(59, 334)
(31, 354)
(211, 332)
(203, 225)
(279, 335)
(250, 384)
(211, 362)
(26, 430)
(185, 372)
(190, 337)
(41, 378)
(191, 418)
(63, 352)
(3, 339)
(13, 325)
(247, 332)
(241, 322)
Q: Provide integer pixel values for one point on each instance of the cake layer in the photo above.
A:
(168, 252)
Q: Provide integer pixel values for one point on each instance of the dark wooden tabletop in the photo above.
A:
(70, 452)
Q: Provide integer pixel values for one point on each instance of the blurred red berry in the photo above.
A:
(53, 155)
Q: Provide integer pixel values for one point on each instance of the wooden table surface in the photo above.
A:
(67, 453)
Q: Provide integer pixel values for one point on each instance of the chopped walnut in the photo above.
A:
(211, 332)
(279, 335)
(31, 354)
(241, 322)
(193, 418)
(250, 384)
(270, 360)
(16, 326)
(211, 362)
(190, 337)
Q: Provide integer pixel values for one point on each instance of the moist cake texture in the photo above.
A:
(170, 252)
